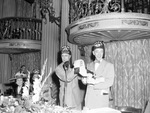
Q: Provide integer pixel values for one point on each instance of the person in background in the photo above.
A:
(18, 87)
(22, 71)
(33, 75)
(69, 91)
(100, 81)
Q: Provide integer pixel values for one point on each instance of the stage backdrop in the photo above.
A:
(132, 69)
(30, 60)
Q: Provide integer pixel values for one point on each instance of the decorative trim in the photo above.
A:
(46, 6)
(109, 27)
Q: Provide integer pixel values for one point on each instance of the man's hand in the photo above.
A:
(90, 79)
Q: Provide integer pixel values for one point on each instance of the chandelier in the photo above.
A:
(46, 6)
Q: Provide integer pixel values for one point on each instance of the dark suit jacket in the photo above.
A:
(15, 92)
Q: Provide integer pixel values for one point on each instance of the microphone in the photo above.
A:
(66, 65)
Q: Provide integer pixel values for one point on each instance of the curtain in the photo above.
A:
(8, 8)
(132, 71)
(132, 68)
(30, 60)
(5, 68)
(25, 9)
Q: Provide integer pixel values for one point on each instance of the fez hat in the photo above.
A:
(65, 49)
(36, 74)
(18, 77)
(98, 44)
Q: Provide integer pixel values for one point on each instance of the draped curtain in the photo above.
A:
(5, 68)
(132, 71)
(132, 67)
(19, 8)
(30, 60)
(25, 9)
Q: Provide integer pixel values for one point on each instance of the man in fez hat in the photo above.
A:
(99, 83)
(69, 92)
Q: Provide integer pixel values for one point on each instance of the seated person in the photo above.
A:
(22, 71)
(18, 87)
(35, 74)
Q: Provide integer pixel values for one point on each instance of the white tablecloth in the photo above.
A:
(101, 110)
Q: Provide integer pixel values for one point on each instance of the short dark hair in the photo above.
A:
(22, 66)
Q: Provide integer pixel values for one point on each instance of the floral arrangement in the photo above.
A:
(38, 102)
(13, 105)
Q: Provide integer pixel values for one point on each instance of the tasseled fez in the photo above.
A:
(98, 44)
(65, 49)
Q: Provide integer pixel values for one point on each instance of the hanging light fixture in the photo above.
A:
(46, 7)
